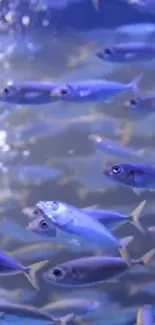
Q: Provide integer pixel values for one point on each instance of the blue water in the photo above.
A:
(49, 47)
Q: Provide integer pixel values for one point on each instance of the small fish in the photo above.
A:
(41, 251)
(8, 265)
(127, 52)
(113, 218)
(108, 218)
(142, 104)
(33, 174)
(88, 271)
(14, 313)
(17, 295)
(77, 306)
(94, 90)
(145, 316)
(116, 149)
(28, 93)
(133, 175)
(74, 221)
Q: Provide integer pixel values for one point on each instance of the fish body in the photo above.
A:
(34, 93)
(9, 265)
(132, 175)
(93, 90)
(74, 221)
(28, 93)
(33, 174)
(142, 104)
(15, 313)
(78, 306)
(127, 52)
(88, 271)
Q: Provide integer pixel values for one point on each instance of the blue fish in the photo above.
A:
(33, 174)
(91, 270)
(34, 93)
(127, 52)
(74, 221)
(8, 265)
(144, 103)
(133, 175)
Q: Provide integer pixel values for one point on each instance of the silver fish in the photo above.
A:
(88, 271)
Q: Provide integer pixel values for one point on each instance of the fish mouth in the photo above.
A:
(105, 170)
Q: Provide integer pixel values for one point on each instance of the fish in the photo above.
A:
(145, 103)
(116, 149)
(108, 218)
(28, 93)
(17, 295)
(94, 90)
(133, 175)
(9, 265)
(35, 93)
(114, 219)
(127, 52)
(77, 306)
(33, 174)
(72, 220)
(41, 227)
(145, 316)
(89, 271)
(15, 312)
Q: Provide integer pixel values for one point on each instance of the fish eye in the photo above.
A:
(58, 273)
(36, 211)
(6, 91)
(64, 91)
(55, 206)
(107, 51)
(116, 169)
(133, 102)
(43, 224)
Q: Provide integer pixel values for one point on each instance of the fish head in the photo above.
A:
(41, 227)
(107, 54)
(10, 93)
(55, 212)
(132, 103)
(63, 92)
(63, 275)
(122, 173)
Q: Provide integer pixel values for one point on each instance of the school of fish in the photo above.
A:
(102, 254)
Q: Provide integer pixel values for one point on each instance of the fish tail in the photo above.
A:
(123, 250)
(147, 258)
(30, 273)
(65, 320)
(135, 216)
(134, 84)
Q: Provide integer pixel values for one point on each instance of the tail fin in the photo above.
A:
(145, 314)
(30, 273)
(67, 319)
(134, 218)
(123, 250)
(147, 258)
(134, 84)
